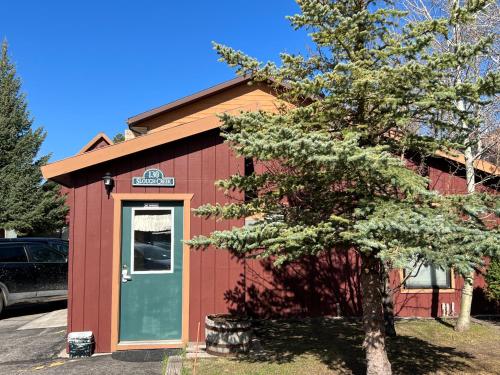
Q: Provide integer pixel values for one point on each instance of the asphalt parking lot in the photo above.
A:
(32, 337)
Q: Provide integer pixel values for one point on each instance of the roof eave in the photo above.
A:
(134, 120)
(57, 170)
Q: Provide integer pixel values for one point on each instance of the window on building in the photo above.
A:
(12, 253)
(428, 277)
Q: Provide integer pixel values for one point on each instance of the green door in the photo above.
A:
(151, 271)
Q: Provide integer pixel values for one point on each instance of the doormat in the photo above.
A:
(150, 355)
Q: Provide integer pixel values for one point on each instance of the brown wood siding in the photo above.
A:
(236, 97)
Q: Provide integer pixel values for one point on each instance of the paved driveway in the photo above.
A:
(32, 337)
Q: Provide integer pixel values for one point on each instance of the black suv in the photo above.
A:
(33, 270)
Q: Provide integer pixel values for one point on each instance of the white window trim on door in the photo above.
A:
(132, 237)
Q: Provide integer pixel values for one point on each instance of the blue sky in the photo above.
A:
(86, 66)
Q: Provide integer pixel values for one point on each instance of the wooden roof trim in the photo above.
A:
(114, 151)
(94, 140)
(481, 165)
(186, 100)
(62, 167)
(84, 159)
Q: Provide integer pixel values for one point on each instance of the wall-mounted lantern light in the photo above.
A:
(109, 183)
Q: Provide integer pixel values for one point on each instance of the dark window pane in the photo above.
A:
(41, 253)
(152, 240)
(62, 247)
(12, 253)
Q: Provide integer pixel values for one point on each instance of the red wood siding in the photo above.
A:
(446, 177)
(195, 163)
(314, 286)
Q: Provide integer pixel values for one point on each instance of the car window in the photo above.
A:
(12, 253)
(42, 253)
(60, 246)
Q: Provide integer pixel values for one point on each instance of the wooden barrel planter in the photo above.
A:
(227, 335)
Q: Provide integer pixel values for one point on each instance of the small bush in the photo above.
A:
(493, 280)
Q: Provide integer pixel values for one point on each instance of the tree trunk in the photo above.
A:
(388, 305)
(463, 321)
(377, 362)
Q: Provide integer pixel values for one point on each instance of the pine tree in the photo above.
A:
(492, 279)
(334, 172)
(118, 138)
(25, 204)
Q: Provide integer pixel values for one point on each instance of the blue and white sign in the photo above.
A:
(153, 177)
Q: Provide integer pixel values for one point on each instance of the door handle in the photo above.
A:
(125, 276)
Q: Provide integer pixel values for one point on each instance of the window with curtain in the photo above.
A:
(152, 234)
(428, 277)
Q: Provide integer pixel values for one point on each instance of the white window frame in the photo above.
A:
(132, 238)
(449, 278)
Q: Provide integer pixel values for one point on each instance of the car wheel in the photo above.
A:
(1, 302)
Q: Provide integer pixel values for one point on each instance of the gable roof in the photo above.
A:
(94, 142)
(134, 120)
(59, 171)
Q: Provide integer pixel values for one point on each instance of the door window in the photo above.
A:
(152, 250)
(41, 253)
(12, 253)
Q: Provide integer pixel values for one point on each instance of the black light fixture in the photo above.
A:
(109, 183)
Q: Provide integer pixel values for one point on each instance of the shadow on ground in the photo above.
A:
(338, 344)
(31, 309)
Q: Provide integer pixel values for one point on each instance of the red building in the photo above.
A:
(132, 281)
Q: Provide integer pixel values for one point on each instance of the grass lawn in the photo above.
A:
(330, 346)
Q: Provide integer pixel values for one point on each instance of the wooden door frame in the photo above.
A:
(115, 290)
